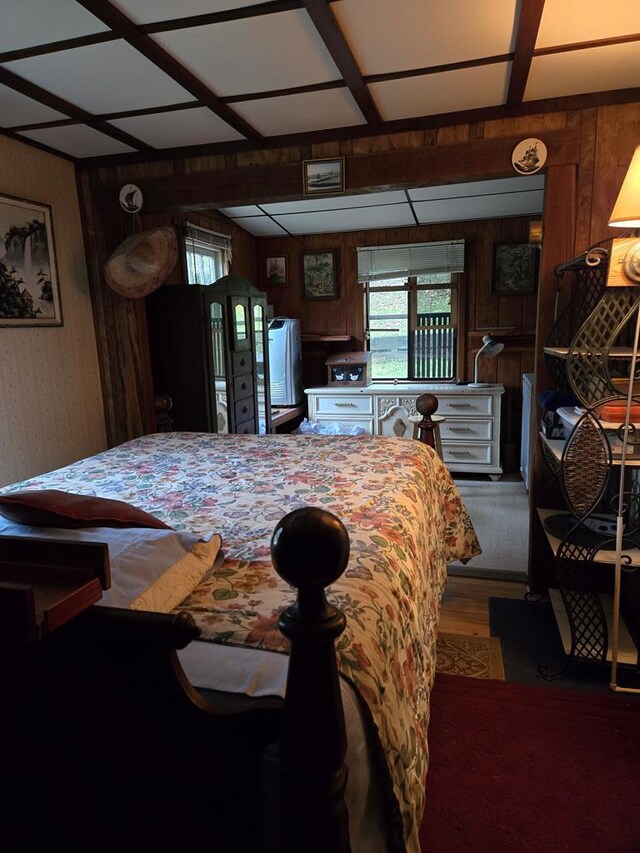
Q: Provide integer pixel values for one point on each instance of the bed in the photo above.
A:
(405, 521)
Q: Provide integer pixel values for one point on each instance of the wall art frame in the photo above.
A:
(276, 271)
(319, 274)
(515, 268)
(323, 177)
(29, 289)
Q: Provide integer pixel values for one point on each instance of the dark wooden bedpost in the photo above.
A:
(426, 405)
(310, 550)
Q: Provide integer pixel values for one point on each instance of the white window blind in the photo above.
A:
(381, 262)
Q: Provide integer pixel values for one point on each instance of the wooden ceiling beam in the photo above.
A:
(434, 165)
(528, 26)
(127, 30)
(325, 22)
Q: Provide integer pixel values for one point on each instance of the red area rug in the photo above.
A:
(520, 769)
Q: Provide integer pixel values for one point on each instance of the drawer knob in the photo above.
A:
(459, 453)
(460, 405)
(345, 405)
(460, 429)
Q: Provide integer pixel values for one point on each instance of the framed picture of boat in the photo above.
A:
(29, 294)
(323, 177)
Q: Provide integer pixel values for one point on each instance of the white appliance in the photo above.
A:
(285, 362)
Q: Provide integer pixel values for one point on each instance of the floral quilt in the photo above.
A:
(405, 521)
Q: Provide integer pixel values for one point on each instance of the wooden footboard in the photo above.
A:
(107, 745)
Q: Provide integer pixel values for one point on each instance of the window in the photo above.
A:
(208, 255)
(411, 309)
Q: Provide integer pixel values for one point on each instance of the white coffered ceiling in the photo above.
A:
(143, 78)
(147, 79)
(519, 196)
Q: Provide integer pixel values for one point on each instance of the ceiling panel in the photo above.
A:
(17, 109)
(479, 207)
(521, 183)
(261, 226)
(300, 113)
(405, 34)
(102, 78)
(31, 22)
(147, 11)
(335, 202)
(517, 196)
(358, 219)
(447, 92)
(595, 69)
(250, 210)
(254, 54)
(174, 129)
(589, 20)
(77, 140)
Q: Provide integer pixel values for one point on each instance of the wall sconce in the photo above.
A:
(490, 348)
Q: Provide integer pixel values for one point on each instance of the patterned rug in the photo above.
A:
(474, 657)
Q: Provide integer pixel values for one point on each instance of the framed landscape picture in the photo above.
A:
(29, 293)
(323, 177)
(276, 271)
(319, 275)
(515, 268)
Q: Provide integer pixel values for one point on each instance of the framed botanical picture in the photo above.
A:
(323, 177)
(515, 268)
(29, 294)
(319, 275)
(275, 271)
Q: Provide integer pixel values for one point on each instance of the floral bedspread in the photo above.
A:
(405, 521)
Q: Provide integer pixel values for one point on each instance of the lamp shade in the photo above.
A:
(626, 211)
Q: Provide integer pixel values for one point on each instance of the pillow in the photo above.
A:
(150, 569)
(53, 508)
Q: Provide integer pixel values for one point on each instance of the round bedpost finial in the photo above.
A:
(310, 546)
(426, 404)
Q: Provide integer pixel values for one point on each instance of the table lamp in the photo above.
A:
(624, 271)
(490, 348)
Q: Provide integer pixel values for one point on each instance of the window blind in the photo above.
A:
(199, 239)
(380, 262)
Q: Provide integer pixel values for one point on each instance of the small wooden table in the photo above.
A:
(282, 415)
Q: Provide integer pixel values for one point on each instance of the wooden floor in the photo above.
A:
(465, 605)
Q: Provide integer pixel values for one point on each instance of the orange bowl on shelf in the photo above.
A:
(616, 413)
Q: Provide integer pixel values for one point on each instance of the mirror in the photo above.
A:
(216, 324)
(240, 322)
(259, 337)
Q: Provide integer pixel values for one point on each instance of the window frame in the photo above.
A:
(411, 287)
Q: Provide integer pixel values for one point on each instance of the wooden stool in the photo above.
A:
(426, 424)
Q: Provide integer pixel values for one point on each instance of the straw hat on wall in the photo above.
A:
(142, 262)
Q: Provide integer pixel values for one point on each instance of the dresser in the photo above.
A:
(470, 432)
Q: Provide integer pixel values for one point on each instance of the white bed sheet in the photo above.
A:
(261, 673)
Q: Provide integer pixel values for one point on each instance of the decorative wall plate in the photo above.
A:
(529, 156)
(130, 198)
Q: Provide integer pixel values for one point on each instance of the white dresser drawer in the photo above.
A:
(467, 454)
(342, 404)
(476, 404)
(466, 430)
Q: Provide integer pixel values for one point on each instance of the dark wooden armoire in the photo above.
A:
(209, 354)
